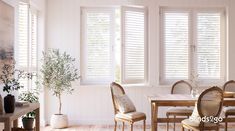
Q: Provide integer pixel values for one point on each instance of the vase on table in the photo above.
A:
(9, 103)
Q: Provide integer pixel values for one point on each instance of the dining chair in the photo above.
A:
(229, 87)
(179, 87)
(124, 109)
(208, 106)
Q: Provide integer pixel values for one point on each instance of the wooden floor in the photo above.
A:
(110, 128)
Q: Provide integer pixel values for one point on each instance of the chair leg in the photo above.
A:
(226, 123)
(115, 125)
(174, 123)
(131, 126)
(182, 128)
(167, 123)
(123, 126)
(188, 129)
(144, 124)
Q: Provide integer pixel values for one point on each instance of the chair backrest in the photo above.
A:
(229, 86)
(210, 102)
(116, 90)
(181, 87)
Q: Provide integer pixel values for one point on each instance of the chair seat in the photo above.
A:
(195, 124)
(229, 110)
(184, 111)
(131, 116)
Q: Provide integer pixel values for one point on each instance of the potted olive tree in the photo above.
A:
(10, 78)
(31, 97)
(58, 72)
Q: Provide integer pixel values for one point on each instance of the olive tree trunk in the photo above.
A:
(60, 103)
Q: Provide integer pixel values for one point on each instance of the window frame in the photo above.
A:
(192, 43)
(84, 80)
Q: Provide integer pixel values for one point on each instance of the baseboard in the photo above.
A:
(92, 122)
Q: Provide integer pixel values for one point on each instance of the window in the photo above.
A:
(105, 38)
(192, 44)
(27, 42)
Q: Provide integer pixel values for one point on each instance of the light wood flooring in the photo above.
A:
(110, 128)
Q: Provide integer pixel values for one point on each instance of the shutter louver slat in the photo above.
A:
(208, 50)
(176, 45)
(133, 45)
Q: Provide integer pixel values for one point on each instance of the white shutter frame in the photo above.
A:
(85, 80)
(124, 71)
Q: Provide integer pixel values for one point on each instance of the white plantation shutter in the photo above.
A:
(209, 45)
(175, 44)
(33, 38)
(33, 47)
(27, 42)
(134, 42)
(97, 44)
(23, 35)
(192, 43)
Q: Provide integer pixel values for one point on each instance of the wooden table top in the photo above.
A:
(19, 111)
(174, 99)
(171, 97)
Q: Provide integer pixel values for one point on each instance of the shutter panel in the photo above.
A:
(27, 43)
(134, 42)
(175, 44)
(33, 38)
(97, 44)
(208, 45)
(23, 35)
(23, 40)
(33, 47)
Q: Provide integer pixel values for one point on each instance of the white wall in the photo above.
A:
(92, 104)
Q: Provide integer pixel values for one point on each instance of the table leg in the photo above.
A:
(154, 112)
(37, 118)
(15, 123)
(7, 125)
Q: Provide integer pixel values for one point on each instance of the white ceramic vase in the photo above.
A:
(59, 121)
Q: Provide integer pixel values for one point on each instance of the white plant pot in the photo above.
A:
(59, 121)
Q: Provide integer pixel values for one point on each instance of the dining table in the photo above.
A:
(163, 100)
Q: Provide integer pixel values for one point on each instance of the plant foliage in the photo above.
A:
(10, 78)
(58, 72)
(31, 97)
